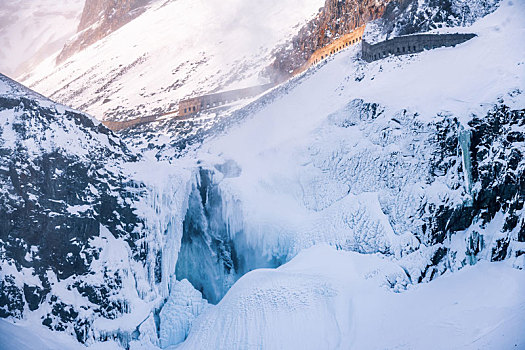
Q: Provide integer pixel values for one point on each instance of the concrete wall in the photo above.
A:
(116, 126)
(404, 45)
(197, 104)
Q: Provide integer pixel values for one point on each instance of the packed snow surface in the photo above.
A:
(21, 337)
(328, 299)
(25, 336)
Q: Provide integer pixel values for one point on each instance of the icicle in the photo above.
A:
(164, 209)
(464, 143)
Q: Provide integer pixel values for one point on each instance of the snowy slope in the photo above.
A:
(328, 299)
(368, 158)
(331, 299)
(178, 48)
(355, 144)
(30, 31)
(89, 235)
(24, 338)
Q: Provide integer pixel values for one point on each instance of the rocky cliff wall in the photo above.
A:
(337, 45)
(69, 233)
(402, 17)
(334, 20)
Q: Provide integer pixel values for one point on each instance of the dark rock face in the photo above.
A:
(99, 19)
(54, 200)
(402, 17)
(498, 173)
(499, 168)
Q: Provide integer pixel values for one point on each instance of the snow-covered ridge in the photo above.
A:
(375, 177)
(174, 57)
(70, 242)
(11, 89)
(17, 93)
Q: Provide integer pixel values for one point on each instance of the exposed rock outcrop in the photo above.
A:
(403, 17)
(63, 205)
(334, 19)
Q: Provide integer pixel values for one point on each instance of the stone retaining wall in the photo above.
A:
(334, 47)
(409, 44)
(116, 126)
(197, 104)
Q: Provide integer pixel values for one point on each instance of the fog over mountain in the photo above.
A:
(31, 31)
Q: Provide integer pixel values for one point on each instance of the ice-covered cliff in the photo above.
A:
(73, 248)
(418, 158)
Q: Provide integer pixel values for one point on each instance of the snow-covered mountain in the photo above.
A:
(173, 50)
(89, 234)
(30, 31)
(69, 232)
(353, 200)
(419, 158)
(373, 158)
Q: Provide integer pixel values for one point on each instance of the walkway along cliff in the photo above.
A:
(192, 106)
(200, 103)
(334, 47)
(403, 45)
